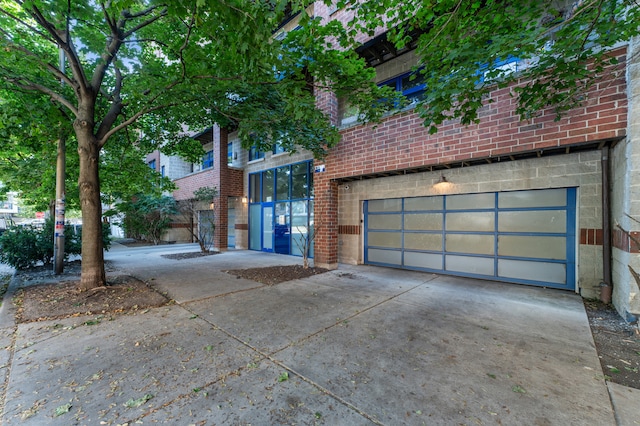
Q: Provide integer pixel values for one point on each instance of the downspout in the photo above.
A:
(606, 287)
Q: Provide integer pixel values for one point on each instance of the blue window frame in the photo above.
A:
(162, 171)
(230, 153)
(411, 85)
(281, 209)
(255, 153)
(278, 149)
(152, 164)
(207, 160)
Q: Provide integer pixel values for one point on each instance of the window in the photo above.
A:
(207, 160)
(278, 148)
(162, 171)
(152, 164)
(255, 153)
(411, 85)
(230, 153)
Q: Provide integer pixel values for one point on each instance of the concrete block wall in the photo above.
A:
(625, 199)
(581, 170)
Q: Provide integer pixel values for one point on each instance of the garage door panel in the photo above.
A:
(529, 270)
(390, 257)
(469, 265)
(385, 239)
(469, 243)
(424, 203)
(470, 221)
(423, 221)
(541, 221)
(531, 246)
(471, 201)
(387, 221)
(387, 205)
(423, 241)
(423, 260)
(527, 199)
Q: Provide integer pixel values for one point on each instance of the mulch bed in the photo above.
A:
(182, 256)
(272, 275)
(64, 299)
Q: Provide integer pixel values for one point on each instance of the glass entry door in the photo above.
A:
(267, 227)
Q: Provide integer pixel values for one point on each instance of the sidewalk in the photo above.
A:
(359, 345)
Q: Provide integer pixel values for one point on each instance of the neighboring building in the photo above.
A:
(542, 202)
(9, 207)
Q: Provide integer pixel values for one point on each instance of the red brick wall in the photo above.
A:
(402, 142)
(186, 185)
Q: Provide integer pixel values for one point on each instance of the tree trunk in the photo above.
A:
(93, 274)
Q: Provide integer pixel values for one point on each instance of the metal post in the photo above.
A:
(58, 244)
(60, 204)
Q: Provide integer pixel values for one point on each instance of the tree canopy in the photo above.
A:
(467, 47)
(157, 70)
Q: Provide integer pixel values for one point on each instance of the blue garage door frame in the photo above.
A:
(523, 237)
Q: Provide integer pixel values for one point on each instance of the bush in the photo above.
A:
(25, 246)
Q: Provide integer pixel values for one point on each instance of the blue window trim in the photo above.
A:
(271, 204)
(207, 160)
(230, 153)
(416, 90)
(255, 154)
(152, 164)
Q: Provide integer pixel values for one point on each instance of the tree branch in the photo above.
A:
(115, 108)
(148, 22)
(34, 87)
(67, 46)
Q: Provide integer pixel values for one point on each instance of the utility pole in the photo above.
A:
(58, 236)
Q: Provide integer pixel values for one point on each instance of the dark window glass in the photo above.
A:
(254, 188)
(267, 185)
(282, 183)
(152, 164)
(207, 160)
(230, 153)
(255, 153)
(300, 184)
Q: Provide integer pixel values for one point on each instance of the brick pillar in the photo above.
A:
(220, 138)
(326, 219)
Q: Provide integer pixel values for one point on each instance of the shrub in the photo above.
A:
(25, 246)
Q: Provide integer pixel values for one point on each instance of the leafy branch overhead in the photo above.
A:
(556, 51)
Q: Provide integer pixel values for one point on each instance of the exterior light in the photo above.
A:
(443, 185)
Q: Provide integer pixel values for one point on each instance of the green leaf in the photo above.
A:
(134, 403)
(283, 377)
(63, 409)
(518, 389)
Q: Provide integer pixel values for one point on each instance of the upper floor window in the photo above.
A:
(162, 171)
(255, 153)
(152, 164)
(207, 160)
(230, 153)
(410, 84)
(278, 148)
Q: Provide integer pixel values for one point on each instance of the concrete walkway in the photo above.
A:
(359, 345)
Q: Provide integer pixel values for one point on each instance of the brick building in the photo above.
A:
(539, 202)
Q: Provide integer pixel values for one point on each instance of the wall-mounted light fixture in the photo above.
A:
(443, 185)
(244, 200)
(212, 205)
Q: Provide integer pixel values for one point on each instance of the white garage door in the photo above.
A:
(524, 237)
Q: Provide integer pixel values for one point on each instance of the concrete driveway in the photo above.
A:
(359, 345)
